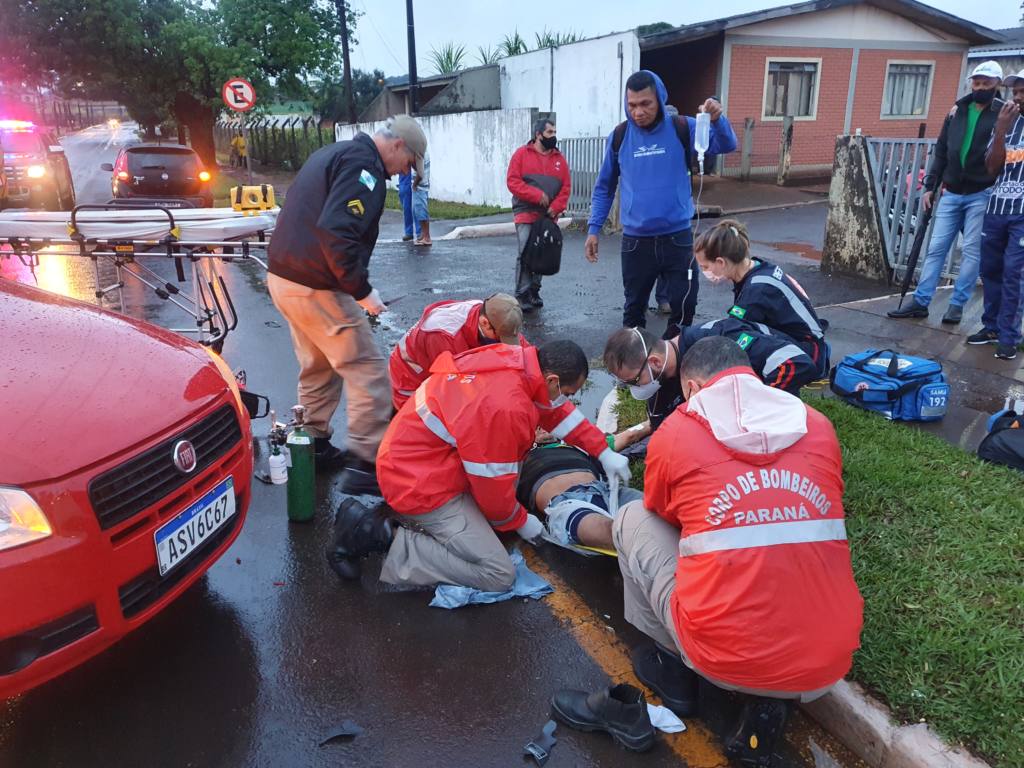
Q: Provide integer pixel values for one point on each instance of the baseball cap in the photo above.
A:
(505, 315)
(408, 130)
(988, 69)
(1012, 80)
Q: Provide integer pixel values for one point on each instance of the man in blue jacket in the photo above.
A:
(650, 154)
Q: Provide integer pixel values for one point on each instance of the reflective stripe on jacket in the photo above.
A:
(467, 430)
(765, 596)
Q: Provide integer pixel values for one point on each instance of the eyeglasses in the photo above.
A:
(646, 364)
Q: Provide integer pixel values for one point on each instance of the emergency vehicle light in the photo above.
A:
(16, 125)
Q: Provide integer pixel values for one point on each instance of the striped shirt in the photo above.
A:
(1007, 197)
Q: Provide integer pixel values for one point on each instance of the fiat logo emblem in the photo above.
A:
(184, 455)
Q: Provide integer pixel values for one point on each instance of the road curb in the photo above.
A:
(490, 230)
(866, 726)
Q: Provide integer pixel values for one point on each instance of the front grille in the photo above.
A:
(143, 480)
(14, 173)
(145, 589)
(21, 650)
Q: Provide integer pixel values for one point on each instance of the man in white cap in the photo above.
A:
(958, 165)
(319, 280)
(1002, 255)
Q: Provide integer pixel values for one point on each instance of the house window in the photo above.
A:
(791, 88)
(908, 86)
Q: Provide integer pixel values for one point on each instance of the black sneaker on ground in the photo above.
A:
(358, 531)
(983, 337)
(758, 732)
(954, 315)
(327, 455)
(620, 711)
(913, 310)
(666, 674)
(1006, 352)
(526, 303)
(538, 302)
(359, 477)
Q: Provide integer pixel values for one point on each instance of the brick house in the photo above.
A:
(885, 67)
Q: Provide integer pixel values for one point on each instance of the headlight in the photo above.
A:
(35, 171)
(21, 519)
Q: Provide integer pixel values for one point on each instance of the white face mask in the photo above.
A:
(711, 277)
(559, 401)
(646, 391)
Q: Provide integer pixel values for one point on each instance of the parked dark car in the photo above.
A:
(170, 172)
(37, 172)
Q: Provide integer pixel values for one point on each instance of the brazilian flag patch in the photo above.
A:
(744, 340)
(738, 311)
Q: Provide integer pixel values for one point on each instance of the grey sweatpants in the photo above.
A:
(453, 544)
(648, 547)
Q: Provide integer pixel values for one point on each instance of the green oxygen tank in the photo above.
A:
(302, 475)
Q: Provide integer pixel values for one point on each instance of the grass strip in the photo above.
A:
(938, 555)
(441, 209)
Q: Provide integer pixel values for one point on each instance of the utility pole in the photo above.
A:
(350, 98)
(414, 106)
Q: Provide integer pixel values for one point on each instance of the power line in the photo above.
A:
(387, 47)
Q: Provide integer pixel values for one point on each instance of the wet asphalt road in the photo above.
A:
(268, 653)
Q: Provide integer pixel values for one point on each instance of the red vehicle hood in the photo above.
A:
(79, 384)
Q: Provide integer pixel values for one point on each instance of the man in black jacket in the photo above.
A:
(958, 164)
(319, 257)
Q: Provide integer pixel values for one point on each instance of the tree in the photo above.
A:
(513, 45)
(652, 29)
(487, 55)
(159, 56)
(329, 98)
(448, 58)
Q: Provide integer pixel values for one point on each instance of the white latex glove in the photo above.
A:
(614, 465)
(532, 529)
(372, 303)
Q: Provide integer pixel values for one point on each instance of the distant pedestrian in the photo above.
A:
(240, 149)
(420, 211)
(650, 155)
(538, 178)
(1002, 236)
(319, 280)
(958, 166)
(405, 199)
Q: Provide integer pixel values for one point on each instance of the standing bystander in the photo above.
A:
(420, 212)
(405, 199)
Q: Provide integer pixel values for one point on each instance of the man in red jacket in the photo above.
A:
(538, 178)
(450, 460)
(736, 563)
(451, 326)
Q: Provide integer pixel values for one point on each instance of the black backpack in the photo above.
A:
(543, 252)
(682, 126)
(1004, 444)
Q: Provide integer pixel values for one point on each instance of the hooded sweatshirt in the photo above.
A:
(764, 595)
(655, 196)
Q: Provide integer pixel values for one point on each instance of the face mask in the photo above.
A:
(559, 401)
(985, 96)
(550, 142)
(711, 277)
(484, 340)
(646, 391)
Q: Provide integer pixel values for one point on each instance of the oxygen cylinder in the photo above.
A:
(302, 477)
(278, 467)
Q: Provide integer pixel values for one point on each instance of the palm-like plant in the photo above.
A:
(488, 55)
(448, 58)
(513, 45)
(548, 39)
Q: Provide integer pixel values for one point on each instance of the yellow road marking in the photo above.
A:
(697, 746)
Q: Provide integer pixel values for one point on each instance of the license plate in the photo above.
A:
(180, 537)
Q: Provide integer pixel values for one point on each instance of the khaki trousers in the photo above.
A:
(648, 547)
(454, 544)
(335, 348)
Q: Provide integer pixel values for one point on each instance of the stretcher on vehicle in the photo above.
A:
(126, 236)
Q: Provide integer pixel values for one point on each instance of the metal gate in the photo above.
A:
(897, 169)
(584, 157)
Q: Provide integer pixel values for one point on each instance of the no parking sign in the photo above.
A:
(238, 94)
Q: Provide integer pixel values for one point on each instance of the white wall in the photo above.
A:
(852, 22)
(469, 152)
(587, 88)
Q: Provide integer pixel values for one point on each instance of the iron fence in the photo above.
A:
(275, 142)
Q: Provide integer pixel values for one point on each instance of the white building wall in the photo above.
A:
(581, 82)
(469, 152)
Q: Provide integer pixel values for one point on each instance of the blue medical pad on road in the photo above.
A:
(527, 584)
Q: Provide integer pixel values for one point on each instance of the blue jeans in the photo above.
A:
(644, 260)
(405, 198)
(954, 214)
(1002, 271)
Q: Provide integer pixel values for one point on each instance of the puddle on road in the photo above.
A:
(805, 250)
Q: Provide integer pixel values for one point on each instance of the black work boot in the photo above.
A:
(667, 675)
(621, 711)
(914, 310)
(326, 455)
(758, 732)
(358, 531)
(954, 315)
(359, 477)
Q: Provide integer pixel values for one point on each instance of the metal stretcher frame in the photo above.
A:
(209, 304)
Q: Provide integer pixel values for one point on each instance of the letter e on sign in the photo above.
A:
(238, 94)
